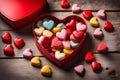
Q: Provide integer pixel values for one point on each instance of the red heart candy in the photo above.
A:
(71, 25)
(46, 42)
(19, 42)
(78, 35)
(89, 57)
(108, 26)
(8, 50)
(65, 4)
(96, 66)
(20, 12)
(6, 37)
(102, 47)
(87, 14)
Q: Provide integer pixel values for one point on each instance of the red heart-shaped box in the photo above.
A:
(18, 13)
(68, 59)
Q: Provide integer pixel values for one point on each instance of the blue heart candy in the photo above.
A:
(48, 24)
(73, 44)
(61, 25)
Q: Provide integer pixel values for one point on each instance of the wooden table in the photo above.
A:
(18, 68)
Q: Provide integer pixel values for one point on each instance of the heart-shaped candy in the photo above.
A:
(102, 47)
(108, 26)
(27, 53)
(71, 25)
(46, 42)
(89, 57)
(19, 42)
(94, 22)
(48, 24)
(81, 27)
(101, 14)
(87, 14)
(74, 44)
(98, 33)
(75, 8)
(39, 31)
(79, 69)
(59, 55)
(62, 35)
(46, 70)
(78, 35)
(6, 37)
(96, 66)
(8, 50)
(61, 25)
(26, 11)
(65, 4)
(35, 61)
(66, 44)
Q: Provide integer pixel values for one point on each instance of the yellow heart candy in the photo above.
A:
(46, 70)
(39, 31)
(47, 33)
(56, 29)
(67, 51)
(94, 22)
(53, 49)
(35, 61)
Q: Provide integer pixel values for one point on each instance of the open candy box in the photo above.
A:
(59, 40)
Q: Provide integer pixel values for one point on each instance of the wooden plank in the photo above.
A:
(86, 4)
(20, 69)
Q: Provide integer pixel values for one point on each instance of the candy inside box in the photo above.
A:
(49, 53)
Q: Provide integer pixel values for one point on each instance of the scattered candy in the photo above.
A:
(94, 22)
(67, 51)
(62, 35)
(8, 50)
(75, 8)
(19, 42)
(35, 61)
(108, 26)
(61, 25)
(79, 69)
(74, 44)
(56, 29)
(96, 66)
(102, 47)
(59, 55)
(48, 24)
(39, 31)
(6, 37)
(66, 44)
(101, 14)
(81, 27)
(87, 14)
(98, 33)
(65, 4)
(46, 71)
(89, 57)
(47, 33)
(71, 25)
(27, 53)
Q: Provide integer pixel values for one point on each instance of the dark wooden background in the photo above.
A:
(18, 68)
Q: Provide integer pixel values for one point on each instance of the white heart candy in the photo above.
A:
(59, 55)
(81, 27)
(98, 33)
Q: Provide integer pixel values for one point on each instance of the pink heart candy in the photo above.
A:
(101, 14)
(98, 33)
(81, 27)
(66, 44)
(62, 35)
(27, 53)
(75, 8)
(79, 69)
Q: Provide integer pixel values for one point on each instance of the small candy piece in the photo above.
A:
(94, 22)
(46, 71)
(47, 33)
(108, 26)
(78, 35)
(27, 53)
(56, 43)
(74, 44)
(72, 38)
(65, 4)
(35, 61)
(39, 23)
(48, 24)
(87, 14)
(19, 42)
(81, 27)
(98, 33)
(101, 14)
(62, 35)
(54, 50)
(46, 42)
(66, 44)
(69, 32)
(67, 51)
(96, 66)
(40, 39)
(39, 31)
(75, 8)
(8, 50)
(59, 55)
(71, 25)
(56, 29)
(6, 37)
(61, 25)
(102, 47)
(89, 57)
(79, 69)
